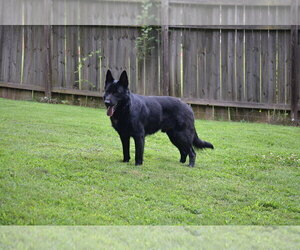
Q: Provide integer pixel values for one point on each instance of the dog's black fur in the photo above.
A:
(137, 116)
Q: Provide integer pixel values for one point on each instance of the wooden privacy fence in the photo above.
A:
(247, 67)
(29, 54)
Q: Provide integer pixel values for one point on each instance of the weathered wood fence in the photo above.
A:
(252, 67)
(219, 67)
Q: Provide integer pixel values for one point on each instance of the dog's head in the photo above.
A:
(116, 92)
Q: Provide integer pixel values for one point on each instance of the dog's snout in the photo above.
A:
(107, 99)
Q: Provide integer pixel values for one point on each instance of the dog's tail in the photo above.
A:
(198, 143)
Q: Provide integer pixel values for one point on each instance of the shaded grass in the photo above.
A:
(61, 165)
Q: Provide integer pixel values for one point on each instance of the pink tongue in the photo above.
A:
(110, 111)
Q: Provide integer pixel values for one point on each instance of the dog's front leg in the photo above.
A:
(125, 139)
(139, 149)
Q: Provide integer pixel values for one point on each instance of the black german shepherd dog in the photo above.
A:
(137, 116)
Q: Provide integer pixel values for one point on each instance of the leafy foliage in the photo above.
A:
(81, 63)
(148, 38)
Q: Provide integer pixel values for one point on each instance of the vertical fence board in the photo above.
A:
(54, 56)
(272, 86)
(148, 77)
(40, 56)
(47, 69)
(186, 62)
(34, 55)
(288, 60)
(252, 58)
(282, 66)
(190, 63)
(249, 81)
(268, 43)
(141, 78)
(5, 55)
(228, 15)
(264, 66)
(256, 66)
(151, 82)
(227, 67)
(209, 63)
(72, 77)
(213, 64)
(97, 58)
(94, 63)
(89, 46)
(202, 79)
(161, 63)
(1, 49)
(172, 60)
(126, 48)
(85, 49)
(91, 59)
(141, 72)
(104, 52)
(177, 65)
(239, 68)
(112, 47)
(216, 13)
(58, 57)
(124, 63)
(288, 68)
(165, 65)
(133, 60)
(28, 55)
(15, 54)
(119, 60)
(175, 62)
(195, 67)
(224, 65)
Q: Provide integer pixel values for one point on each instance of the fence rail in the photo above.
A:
(124, 13)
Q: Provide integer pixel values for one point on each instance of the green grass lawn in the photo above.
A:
(62, 165)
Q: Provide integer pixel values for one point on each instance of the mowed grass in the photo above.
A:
(62, 165)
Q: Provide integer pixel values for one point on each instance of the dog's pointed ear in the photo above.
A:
(109, 77)
(123, 81)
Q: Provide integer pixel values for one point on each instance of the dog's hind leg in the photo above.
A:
(177, 142)
(182, 140)
(183, 156)
(192, 156)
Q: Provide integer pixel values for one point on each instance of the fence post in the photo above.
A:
(165, 46)
(47, 63)
(295, 57)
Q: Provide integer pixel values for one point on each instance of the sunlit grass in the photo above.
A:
(62, 164)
